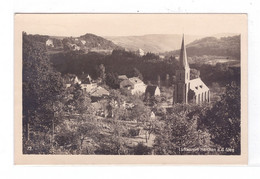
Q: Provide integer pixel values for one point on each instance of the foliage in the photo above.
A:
(225, 117)
(113, 144)
(194, 74)
(180, 135)
(221, 73)
(138, 74)
(139, 112)
(150, 56)
(112, 80)
(102, 73)
(76, 63)
(141, 149)
(42, 88)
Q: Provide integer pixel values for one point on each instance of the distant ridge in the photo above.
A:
(155, 43)
(212, 46)
(94, 41)
(166, 44)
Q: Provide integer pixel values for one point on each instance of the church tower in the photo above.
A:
(182, 77)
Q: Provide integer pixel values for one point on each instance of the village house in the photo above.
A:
(87, 84)
(72, 80)
(83, 42)
(152, 115)
(134, 85)
(74, 47)
(186, 90)
(162, 57)
(140, 52)
(49, 43)
(98, 93)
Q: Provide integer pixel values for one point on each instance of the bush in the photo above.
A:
(134, 132)
(141, 149)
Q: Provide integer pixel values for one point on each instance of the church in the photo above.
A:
(184, 89)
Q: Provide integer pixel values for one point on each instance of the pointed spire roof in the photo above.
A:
(183, 56)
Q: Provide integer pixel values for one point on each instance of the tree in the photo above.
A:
(139, 112)
(179, 135)
(102, 73)
(159, 81)
(112, 80)
(138, 74)
(141, 149)
(194, 73)
(223, 120)
(42, 89)
(79, 125)
(150, 56)
(114, 143)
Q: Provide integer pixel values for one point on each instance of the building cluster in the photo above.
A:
(184, 89)
(89, 86)
(99, 95)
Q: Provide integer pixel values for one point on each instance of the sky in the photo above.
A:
(129, 24)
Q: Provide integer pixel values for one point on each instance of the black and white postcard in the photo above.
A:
(130, 89)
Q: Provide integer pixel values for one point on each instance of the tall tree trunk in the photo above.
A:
(26, 125)
(27, 130)
(81, 145)
(53, 128)
(146, 140)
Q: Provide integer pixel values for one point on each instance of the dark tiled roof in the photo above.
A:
(150, 89)
(86, 81)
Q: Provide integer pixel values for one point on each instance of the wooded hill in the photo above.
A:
(84, 43)
(89, 42)
(211, 46)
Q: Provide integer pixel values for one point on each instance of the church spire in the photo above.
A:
(183, 55)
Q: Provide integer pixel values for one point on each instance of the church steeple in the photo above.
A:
(184, 89)
(183, 56)
(182, 77)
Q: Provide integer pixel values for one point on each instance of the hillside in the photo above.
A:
(212, 46)
(84, 43)
(89, 42)
(94, 41)
(154, 43)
